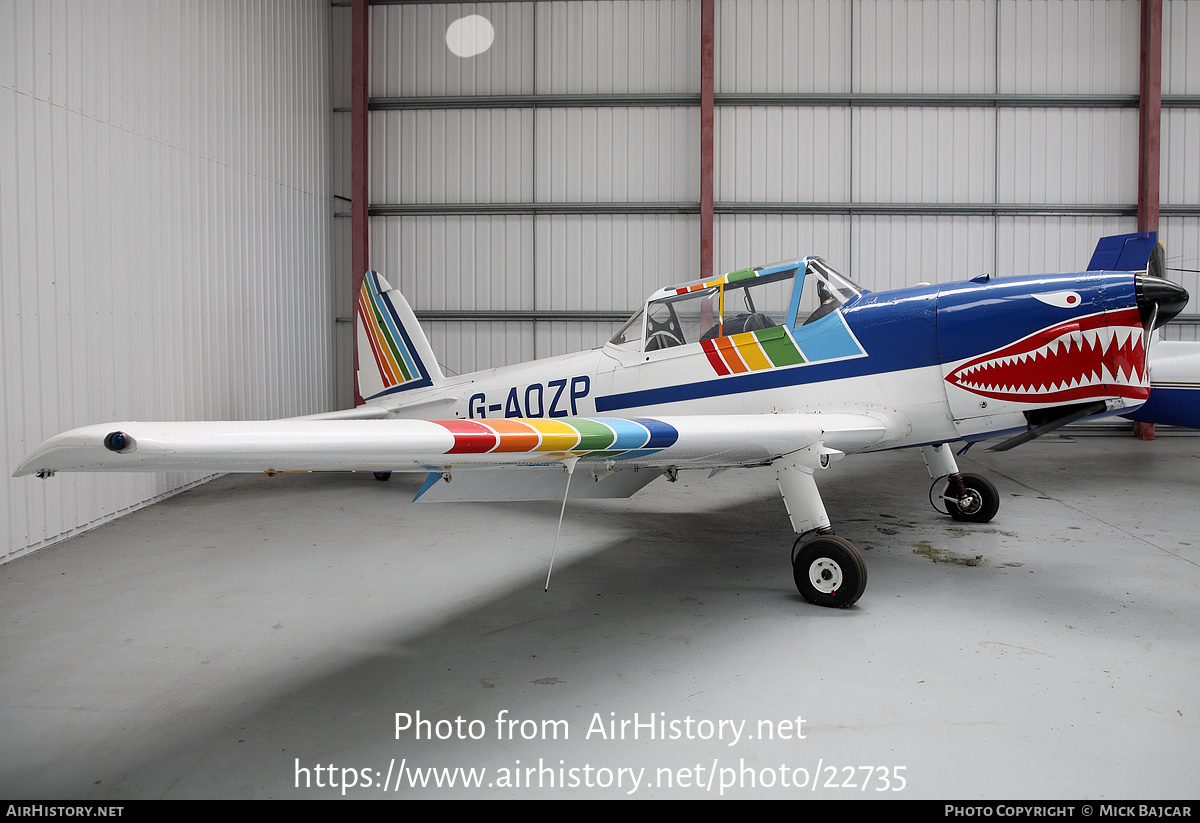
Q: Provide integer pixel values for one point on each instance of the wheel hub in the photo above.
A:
(825, 575)
(971, 502)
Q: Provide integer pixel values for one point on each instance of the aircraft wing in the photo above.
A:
(442, 445)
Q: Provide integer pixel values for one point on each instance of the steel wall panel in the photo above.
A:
(548, 263)
(924, 155)
(609, 262)
(782, 46)
(1083, 156)
(741, 240)
(340, 57)
(341, 160)
(898, 251)
(1179, 169)
(409, 56)
(1069, 46)
(465, 346)
(578, 335)
(617, 154)
(1181, 33)
(451, 156)
(1181, 331)
(781, 154)
(1180, 162)
(469, 262)
(343, 304)
(1181, 237)
(164, 216)
(614, 46)
(941, 47)
(1037, 244)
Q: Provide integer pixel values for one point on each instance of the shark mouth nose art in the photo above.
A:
(1100, 355)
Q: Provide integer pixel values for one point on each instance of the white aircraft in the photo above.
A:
(789, 366)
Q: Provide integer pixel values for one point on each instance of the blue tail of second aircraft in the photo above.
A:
(1139, 251)
(1174, 365)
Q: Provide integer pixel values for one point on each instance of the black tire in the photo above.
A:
(985, 504)
(382, 476)
(829, 571)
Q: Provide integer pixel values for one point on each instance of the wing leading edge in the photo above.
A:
(430, 445)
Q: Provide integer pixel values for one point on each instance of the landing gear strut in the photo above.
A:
(828, 570)
(967, 497)
(977, 501)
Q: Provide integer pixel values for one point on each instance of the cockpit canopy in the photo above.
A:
(792, 294)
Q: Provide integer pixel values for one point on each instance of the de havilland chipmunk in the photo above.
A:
(789, 367)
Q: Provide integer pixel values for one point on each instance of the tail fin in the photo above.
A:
(393, 353)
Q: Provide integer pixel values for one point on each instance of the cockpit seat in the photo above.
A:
(747, 322)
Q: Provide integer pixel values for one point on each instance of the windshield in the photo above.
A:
(825, 291)
(630, 335)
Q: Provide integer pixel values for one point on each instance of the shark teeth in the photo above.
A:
(1073, 360)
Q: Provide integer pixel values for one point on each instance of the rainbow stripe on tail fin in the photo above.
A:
(393, 353)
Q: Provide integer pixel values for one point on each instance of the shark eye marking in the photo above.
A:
(1061, 299)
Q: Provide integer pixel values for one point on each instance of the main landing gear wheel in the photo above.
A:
(382, 476)
(829, 571)
(981, 502)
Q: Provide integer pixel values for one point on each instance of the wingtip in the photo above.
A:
(81, 449)
(29, 466)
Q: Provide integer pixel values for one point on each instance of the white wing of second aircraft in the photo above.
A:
(605, 444)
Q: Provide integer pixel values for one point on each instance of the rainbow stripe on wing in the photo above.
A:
(591, 438)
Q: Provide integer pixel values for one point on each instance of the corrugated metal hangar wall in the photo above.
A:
(165, 218)
(556, 175)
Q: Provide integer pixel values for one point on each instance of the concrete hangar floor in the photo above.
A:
(310, 636)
